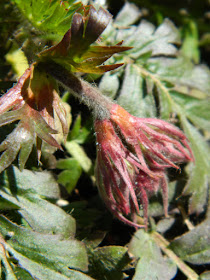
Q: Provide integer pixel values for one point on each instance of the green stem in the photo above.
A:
(163, 244)
(3, 258)
(157, 81)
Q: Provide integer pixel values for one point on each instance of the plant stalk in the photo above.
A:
(163, 244)
(86, 93)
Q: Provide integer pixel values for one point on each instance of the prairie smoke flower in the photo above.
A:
(34, 102)
(156, 143)
(132, 155)
(112, 174)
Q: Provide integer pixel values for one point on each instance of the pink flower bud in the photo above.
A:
(132, 155)
(156, 143)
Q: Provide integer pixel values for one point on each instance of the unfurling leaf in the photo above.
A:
(75, 51)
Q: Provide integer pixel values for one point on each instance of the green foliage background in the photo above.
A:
(53, 225)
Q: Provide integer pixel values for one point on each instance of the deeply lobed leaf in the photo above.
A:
(48, 15)
(44, 254)
(75, 51)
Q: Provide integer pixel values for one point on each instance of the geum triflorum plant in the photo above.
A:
(132, 153)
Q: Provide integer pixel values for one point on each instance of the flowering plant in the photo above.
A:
(149, 111)
(132, 153)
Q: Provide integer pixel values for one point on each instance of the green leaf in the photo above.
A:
(22, 273)
(109, 84)
(152, 264)
(71, 174)
(190, 47)
(38, 213)
(7, 205)
(18, 61)
(43, 254)
(132, 96)
(181, 72)
(197, 185)
(79, 154)
(128, 15)
(35, 210)
(75, 51)
(108, 262)
(80, 133)
(205, 275)
(5, 262)
(165, 225)
(43, 183)
(199, 114)
(20, 140)
(197, 110)
(157, 42)
(75, 131)
(49, 16)
(194, 246)
(166, 107)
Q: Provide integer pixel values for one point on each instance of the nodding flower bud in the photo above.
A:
(156, 143)
(132, 155)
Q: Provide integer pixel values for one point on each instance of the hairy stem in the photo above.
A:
(87, 94)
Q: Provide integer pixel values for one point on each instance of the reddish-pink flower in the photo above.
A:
(132, 155)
